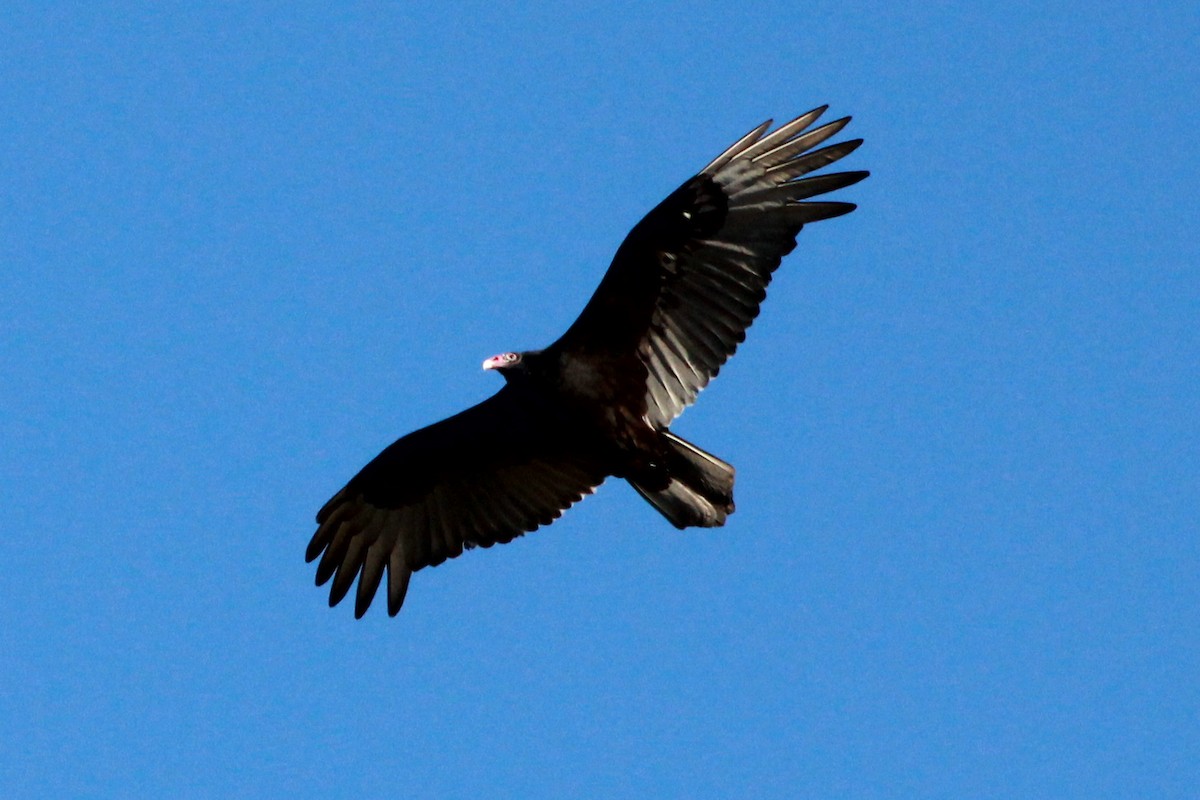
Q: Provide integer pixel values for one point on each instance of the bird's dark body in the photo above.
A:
(618, 443)
(619, 436)
(683, 288)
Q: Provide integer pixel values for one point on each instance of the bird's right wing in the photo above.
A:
(689, 278)
(484, 476)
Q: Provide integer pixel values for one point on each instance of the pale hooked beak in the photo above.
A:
(494, 362)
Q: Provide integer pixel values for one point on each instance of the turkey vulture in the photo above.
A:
(681, 291)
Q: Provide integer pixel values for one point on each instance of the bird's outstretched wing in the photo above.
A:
(486, 475)
(689, 278)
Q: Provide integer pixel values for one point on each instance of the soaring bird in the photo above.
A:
(675, 303)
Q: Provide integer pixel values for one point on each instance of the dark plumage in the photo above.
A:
(674, 305)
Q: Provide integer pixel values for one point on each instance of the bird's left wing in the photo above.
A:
(482, 477)
(689, 278)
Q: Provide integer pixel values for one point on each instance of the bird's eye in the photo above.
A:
(510, 356)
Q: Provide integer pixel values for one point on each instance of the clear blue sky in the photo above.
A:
(245, 246)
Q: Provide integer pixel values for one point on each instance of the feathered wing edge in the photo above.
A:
(480, 478)
(713, 287)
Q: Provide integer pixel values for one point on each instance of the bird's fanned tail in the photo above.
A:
(700, 491)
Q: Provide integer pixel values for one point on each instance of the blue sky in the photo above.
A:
(244, 247)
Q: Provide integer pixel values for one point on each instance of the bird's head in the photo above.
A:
(505, 362)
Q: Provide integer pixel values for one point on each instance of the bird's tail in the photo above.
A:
(700, 491)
